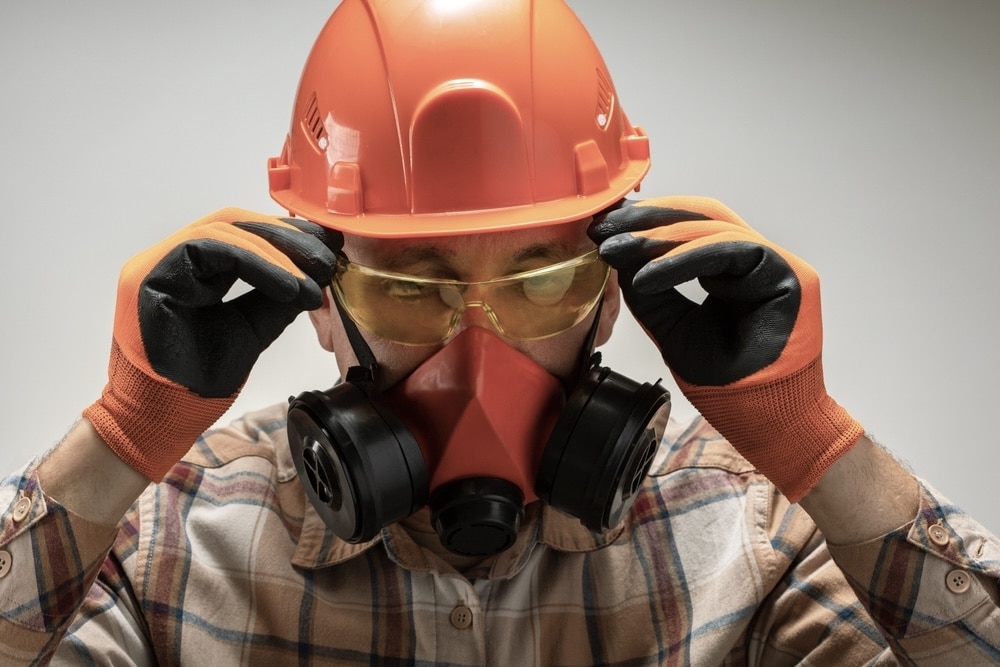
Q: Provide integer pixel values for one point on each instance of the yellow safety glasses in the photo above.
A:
(424, 311)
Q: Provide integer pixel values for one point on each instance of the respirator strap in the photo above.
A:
(366, 358)
(588, 357)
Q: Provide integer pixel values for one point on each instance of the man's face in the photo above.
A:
(469, 258)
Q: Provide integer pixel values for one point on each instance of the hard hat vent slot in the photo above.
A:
(605, 99)
(312, 121)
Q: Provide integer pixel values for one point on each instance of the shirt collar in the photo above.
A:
(317, 547)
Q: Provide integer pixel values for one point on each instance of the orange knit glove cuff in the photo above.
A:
(788, 427)
(150, 425)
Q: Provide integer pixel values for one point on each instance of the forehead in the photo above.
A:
(567, 239)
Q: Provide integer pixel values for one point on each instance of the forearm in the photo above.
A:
(865, 494)
(87, 478)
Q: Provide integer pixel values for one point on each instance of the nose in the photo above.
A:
(474, 307)
(475, 314)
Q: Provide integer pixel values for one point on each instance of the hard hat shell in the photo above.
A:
(441, 117)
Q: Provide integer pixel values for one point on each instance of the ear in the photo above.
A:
(324, 320)
(611, 306)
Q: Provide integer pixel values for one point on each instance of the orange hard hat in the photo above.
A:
(437, 117)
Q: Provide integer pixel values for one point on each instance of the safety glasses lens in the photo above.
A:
(422, 311)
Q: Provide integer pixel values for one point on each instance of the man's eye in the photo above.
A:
(549, 288)
(404, 289)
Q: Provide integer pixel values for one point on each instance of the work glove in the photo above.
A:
(749, 356)
(181, 353)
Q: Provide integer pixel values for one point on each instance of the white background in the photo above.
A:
(864, 135)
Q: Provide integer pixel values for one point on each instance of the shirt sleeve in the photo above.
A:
(931, 585)
(109, 627)
(50, 559)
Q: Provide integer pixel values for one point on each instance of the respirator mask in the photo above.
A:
(478, 429)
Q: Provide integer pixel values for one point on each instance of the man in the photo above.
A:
(453, 168)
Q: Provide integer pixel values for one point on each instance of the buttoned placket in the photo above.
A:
(957, 581)
(459, 628)
(18, 513)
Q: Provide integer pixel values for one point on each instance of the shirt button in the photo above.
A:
(5, 561)
(958, 581)
(461, 617)
(21, 508)
(938, 535)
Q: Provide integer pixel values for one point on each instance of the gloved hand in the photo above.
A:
(180, 354)
(749, 356)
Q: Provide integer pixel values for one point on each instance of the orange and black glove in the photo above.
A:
(749, 356)
(181, 352)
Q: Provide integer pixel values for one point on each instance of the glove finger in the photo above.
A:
(732, 268)
(632, 250)
(309, 246)
(225, 225)
(628, 252)
(331, 238)
(693, 230)
(200, 273)
(631, 217)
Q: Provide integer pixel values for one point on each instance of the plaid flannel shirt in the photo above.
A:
(225, 563)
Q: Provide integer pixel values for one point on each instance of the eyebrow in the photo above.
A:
(419, 254)
(552, 250)
(443, 257)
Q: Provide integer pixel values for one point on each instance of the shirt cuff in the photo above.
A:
(49, 556)
(941, 568)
